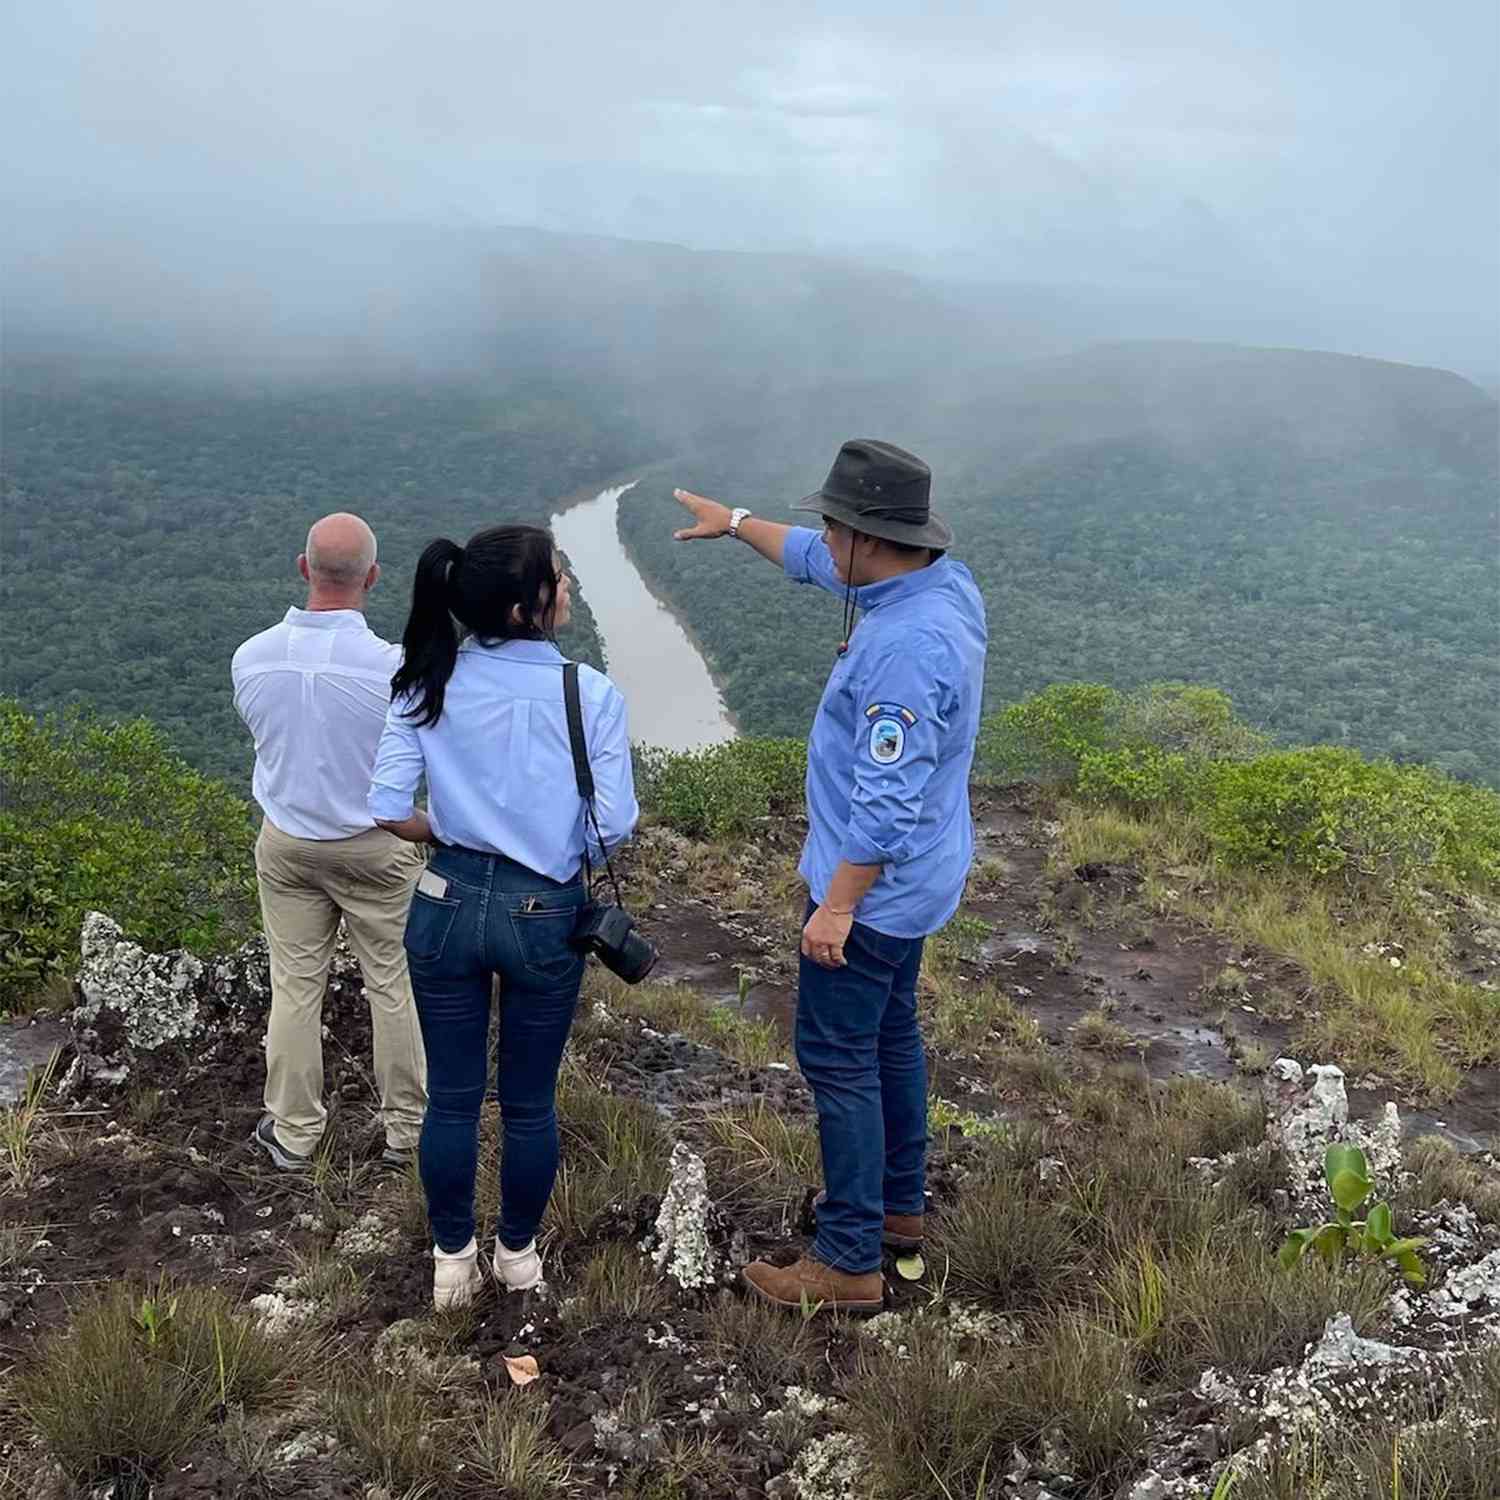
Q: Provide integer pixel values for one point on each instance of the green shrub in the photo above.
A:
(724, 790)
(1326, 810)
(1044, 737)
(1138, 778)
(1055, 734)
(1179, 718)
(102, 815)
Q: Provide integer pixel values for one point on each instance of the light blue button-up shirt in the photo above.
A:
(892, 743)
(498, 764)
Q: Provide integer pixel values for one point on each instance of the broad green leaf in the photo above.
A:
(1379, 1224)
(1341, 1158)
(1295, 1247)
(1329, 1242)
(911, 1267)
(1412, 1268)
(1349, 1189)
(1404, 1247)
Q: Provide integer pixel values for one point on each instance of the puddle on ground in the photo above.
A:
(23, 1048)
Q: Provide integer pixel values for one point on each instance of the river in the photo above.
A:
(673, 701)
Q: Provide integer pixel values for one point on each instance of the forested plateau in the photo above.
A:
(1314, 533)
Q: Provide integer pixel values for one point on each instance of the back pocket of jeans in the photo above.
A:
(542, 935)
(428, 924)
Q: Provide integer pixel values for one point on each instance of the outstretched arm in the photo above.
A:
(710, 519)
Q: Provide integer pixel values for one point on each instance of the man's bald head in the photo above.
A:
(340, 553)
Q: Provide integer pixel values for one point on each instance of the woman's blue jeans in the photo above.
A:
(495, 917)
(860, 1049)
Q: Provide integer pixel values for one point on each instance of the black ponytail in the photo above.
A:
(429, 644)
(480, 585)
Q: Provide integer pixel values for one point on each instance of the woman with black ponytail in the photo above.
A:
(477, 709)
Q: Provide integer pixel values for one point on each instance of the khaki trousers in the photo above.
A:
(306, 885)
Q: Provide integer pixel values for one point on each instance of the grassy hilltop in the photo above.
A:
(1162, 905)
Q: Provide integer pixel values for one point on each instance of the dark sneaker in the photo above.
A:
(264, 1136)
(813, 1285)
(399, 1156)
(900, 1231)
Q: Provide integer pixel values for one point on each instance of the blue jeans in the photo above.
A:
(860, 1049)
(497, 917)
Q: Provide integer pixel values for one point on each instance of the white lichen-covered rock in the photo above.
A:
(369, 1236)
(1340, 1347)
(137, 1003)
(831, 1468)
(401, 1350)
(1308, 1110)
(1468, 1288)
(155, 995)
(278, 1314)
(312, 1443)
(683, 1249)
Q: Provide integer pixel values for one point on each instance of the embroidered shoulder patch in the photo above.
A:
(888, 725)
(891, 711)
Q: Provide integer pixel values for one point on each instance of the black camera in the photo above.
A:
(609, 931)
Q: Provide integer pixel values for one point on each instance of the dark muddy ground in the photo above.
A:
(159, 1177)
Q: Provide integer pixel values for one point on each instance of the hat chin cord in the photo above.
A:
(851, 608)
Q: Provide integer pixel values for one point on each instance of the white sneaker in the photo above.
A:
(455, 1278)
(517, 1270)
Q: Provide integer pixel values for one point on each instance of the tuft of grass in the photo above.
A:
(933, 1425)
(338, 1287)
(1227, 1302)
(616, 1285)
(1006, 1242)
(615, 1149)
(396, 1431)
(1099, 1033)
(750, 1040)
(21, 1127)
(771, 1348)
(506, 1451)
(964, 1016)
(1439, 1172)
(960, 942)
(759, 1153)
(115, 1401)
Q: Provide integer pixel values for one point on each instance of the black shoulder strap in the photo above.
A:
(581, 771)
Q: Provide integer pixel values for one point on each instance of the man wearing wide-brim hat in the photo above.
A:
(889, 843)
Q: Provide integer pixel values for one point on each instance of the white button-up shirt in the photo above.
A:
(499, 765)
(314, 692)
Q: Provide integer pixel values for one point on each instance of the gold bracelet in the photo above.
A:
(835, 910)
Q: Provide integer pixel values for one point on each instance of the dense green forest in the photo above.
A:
(152, 522)
(1315, 534)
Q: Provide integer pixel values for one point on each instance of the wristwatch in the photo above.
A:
(736, 519)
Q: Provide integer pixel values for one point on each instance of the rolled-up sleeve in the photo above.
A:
(805, 558)
(614, 777)
(906, 696)
(398, 768)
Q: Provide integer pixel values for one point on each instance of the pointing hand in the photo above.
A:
(711, 519)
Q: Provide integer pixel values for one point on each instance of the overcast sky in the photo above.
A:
(1346, 150)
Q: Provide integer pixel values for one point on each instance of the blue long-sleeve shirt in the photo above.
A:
(892, 743)
(498, 762)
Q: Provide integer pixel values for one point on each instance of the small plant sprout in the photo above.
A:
(153, 1318)
(1349, 1185)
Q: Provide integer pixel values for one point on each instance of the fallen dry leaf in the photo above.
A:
(522, 1370)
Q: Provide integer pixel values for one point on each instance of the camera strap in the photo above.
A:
(583, 774)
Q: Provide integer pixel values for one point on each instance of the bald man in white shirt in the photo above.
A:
(314, 690)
